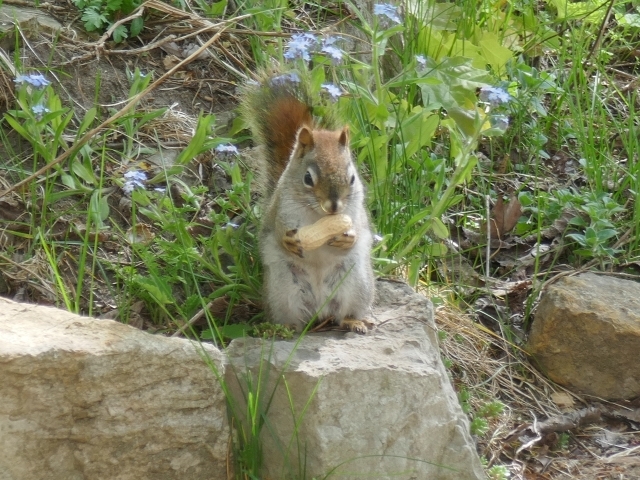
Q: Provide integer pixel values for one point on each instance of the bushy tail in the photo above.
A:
(276, 107)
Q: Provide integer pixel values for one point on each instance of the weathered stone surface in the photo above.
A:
(95, 399)
(30, 20)
(586, 335)
(380, 406)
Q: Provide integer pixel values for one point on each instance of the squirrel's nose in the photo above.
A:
(331, 206)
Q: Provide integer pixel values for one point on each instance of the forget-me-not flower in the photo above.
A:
(135, 179)
(328, 47)
(39, 109)
(35, 79)
(387, 10)
(332, 90)
(300, 46)
(494, 96)
(227, 149)
(285, 78)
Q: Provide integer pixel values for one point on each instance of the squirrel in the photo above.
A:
(308, 174)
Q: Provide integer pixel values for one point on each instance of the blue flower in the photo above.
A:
(387, 10)
(285, 78)
(300, 46)
(39, 109)
(500, 122)
(334, 91)
(227, 149)
(35, 79)
(494, 96)
(422, 61)
(330, 49)
(135, 179)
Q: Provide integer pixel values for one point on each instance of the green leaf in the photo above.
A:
(467, 120)
(495, 54)
(120, 33)
(606, 234)
(439, 228)
(217, 8)
(81, 171)
(418, 130)
(136, 26)
(98, 209)
(197, 143)
(113, 5)
(235, 330)
(68, 181)
(87, 121)
(93, 19)
(578, 237)
(459, 80)
(157, 288)
(20, 129)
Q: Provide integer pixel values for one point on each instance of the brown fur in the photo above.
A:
(284, 118)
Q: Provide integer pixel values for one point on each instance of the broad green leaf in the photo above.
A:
(93, 19)
(418, 130)
(606, 234)
(439, 228)
(458, 71)
(120, 33)
(87, 121)
(157, 288)
(203, 131)
(496, 55)
(136, 26)
(81, 171)
(217, 8)
(113, 5)
(68, 181)
(235, 330)
(20, 129)
(467, 120)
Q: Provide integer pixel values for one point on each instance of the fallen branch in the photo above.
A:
(530, 434)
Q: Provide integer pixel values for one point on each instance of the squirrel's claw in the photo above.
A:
(291, 242)
(346, 240)
(356, 326)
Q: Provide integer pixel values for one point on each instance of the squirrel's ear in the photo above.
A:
(305, 138)
(344, 137)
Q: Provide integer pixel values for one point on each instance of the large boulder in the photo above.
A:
(95, 399)
(586, 335)
(376, 406)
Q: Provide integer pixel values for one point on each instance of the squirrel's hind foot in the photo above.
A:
(356, 326)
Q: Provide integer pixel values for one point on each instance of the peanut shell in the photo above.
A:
(315, 235)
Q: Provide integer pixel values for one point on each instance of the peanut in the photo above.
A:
(315, 235)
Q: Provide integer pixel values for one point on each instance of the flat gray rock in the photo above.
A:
(374, 406)
(95, 399)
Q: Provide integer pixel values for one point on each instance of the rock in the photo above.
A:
(586, 335)
(95, 399)
(376, 406)
(30, 20)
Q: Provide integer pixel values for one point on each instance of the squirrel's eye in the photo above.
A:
(308, 179)
(353, 180)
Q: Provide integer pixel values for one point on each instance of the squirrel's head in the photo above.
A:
(325, 166)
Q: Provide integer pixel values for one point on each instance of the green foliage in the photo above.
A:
(99, 15)
(498, 472)
(480, 415)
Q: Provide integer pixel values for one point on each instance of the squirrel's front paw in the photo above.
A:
(291, 242)
(345, 240)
